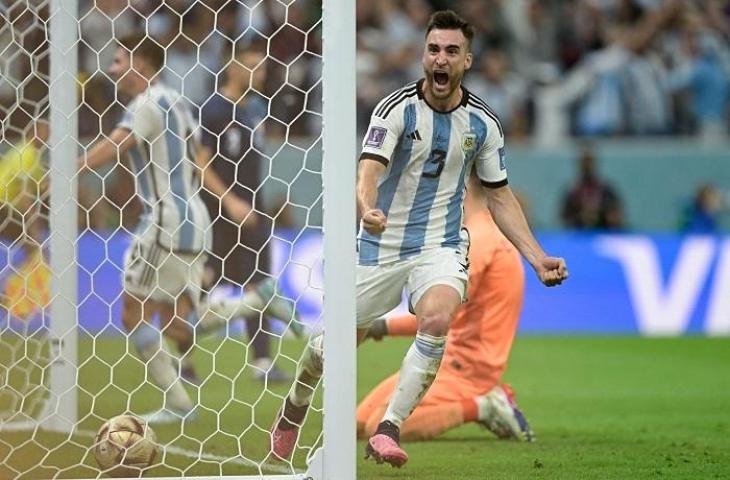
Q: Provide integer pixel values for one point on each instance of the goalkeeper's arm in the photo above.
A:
(400, 326)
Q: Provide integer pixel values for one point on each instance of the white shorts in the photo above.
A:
(154, 272)
(380, 287)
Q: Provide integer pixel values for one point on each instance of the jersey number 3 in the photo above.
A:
(435, 164)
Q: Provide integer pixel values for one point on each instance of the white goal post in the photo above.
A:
(60, 411)
(333, 454)
(339, 248)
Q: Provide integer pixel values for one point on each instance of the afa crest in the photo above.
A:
(469, 142)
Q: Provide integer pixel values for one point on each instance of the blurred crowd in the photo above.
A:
(621, 67)
(199, 36)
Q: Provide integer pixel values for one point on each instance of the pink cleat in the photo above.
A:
(384, 448)
(285, 432)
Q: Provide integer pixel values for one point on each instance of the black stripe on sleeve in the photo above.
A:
(484, 104)
(499, 184)
(380, 107)
(478, 104)
(393, 99)
(372, 156)
(401, 100)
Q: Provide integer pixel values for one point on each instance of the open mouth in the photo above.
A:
(441, 78)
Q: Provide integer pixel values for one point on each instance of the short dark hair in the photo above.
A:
(145, 47)
(450, 20)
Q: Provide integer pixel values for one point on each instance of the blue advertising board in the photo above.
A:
(620, 284)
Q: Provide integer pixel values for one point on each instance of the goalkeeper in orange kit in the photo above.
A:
(468, 384)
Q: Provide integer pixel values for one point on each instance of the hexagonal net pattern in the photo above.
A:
(195, 196)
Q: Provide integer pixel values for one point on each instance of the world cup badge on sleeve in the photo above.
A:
(376, 137)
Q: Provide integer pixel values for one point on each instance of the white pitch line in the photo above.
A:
(214, 458)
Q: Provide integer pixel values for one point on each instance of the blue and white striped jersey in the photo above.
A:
(428, 155)
(163, 164)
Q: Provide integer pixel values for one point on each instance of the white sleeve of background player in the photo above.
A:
(382, 136)
(143, 118)
(490, 162)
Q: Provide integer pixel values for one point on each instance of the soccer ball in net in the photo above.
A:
(125, 446)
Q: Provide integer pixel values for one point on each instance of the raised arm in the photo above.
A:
(510, 219)
(109, 149)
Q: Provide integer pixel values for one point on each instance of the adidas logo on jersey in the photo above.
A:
(414, 135)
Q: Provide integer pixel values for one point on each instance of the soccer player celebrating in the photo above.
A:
(164, 266)
(422, 143)
(467, 386)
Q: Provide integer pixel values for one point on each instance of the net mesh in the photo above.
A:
(266, 152)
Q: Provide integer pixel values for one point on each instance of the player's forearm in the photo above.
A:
(369, 171)
(366, 197)
(108, 150)
(211, 180)
(100, 154)
(510, 219)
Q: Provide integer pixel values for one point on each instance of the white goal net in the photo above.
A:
(170, 236)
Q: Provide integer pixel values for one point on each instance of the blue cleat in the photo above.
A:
(498, 413)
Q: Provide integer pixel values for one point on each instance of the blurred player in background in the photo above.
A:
(164, 266)
(422, 143)
(468, 384)
(231, 161)
(163, 269)
(22, 220)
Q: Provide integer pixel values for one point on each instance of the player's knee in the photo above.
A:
(434, 323)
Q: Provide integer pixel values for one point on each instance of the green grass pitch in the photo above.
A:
(602, 408)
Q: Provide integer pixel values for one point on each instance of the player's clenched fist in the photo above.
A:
(374, 221)
(552, 271)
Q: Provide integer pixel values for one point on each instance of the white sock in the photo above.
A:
(416, 376)
(161, 366)
(219, 313)
(309, 371)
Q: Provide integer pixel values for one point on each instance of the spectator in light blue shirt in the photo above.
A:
(704, 77)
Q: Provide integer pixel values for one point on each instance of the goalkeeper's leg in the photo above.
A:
(451, 402)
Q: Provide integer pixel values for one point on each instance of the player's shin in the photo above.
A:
(285, 432)
(416, 376)
(309, 371)
(150, 348)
